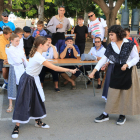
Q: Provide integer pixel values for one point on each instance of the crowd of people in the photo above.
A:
(24, 79)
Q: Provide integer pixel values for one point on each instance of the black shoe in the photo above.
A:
(15, 132)
(121, 120)
(88, 82)
(57, 89)
(102, 118)
(99, 86)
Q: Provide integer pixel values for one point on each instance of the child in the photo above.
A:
(123, 94)
(17, 61)
(28, 40)
(39, 31)
(81, 32)
(19, 32)
(3, 57)
(51, 53)
(30, 97)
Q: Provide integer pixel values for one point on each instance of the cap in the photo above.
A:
(5, 13)
(27, 29)
(69, 38)
(48, 36)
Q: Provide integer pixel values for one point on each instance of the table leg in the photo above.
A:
(85, 78)
(93, 82)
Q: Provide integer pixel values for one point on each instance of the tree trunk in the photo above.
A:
(85, 18)
(1, 8)
(41, 10)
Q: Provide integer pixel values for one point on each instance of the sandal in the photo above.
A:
(39, 123)
(15, 132)
(10, 109)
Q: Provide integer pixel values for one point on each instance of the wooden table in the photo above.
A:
(71, 62)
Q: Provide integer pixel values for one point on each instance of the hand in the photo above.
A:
(92, 36)
(5, 61)
(52, 45)
(104, 66)
(22, 59)
(104, 40)
(91, 54)
(123, 68)
(59, 26)
(37, 35)
(91, 75)
(73, 71)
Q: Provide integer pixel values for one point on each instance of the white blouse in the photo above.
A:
(132, 59)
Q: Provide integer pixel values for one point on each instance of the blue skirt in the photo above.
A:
(107, 80)
(28, 102)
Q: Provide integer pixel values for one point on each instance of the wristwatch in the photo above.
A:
(105, 38)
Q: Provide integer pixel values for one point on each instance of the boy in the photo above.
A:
(81, 32)
(3, 57)
(28, 40)
(19, 32)
(39, 31)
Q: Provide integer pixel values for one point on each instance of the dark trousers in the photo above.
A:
(88, 68)
(43, 73)
(72, 67)
(103, 43)
(81, 47)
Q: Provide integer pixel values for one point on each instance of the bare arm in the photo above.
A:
(63, 54)
(57, 68)
(106, 31)
(74, 51)
(86, 35)
(55, 54)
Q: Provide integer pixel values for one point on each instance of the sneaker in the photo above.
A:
(102, 118)
(57, 89)
(5, 85)
(15, 132)
(40, 124)
(88, 82)
(121, 120)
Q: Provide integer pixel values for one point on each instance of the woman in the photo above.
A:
(123, 94)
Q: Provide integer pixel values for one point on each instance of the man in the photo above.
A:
(97, 28)
(97, 51)
(69, 50)
(58, 25)
(5, 23)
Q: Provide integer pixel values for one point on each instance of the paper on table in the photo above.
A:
(49, 60)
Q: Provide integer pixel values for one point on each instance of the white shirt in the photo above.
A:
(21, 44)
(97, 28)
(49, 54)
(132, 59)
(15, 55)
(97, 53)
(35, 64)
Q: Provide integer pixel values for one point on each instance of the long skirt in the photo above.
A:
(12, 87)
(125, 102)
(28, 102)
(107, 81)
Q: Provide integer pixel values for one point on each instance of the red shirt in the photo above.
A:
(130, 38)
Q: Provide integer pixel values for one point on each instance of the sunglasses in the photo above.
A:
(62, 6)
(5, 16)
(90, 16)
(97, 41)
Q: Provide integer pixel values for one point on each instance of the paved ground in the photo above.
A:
(70, 115)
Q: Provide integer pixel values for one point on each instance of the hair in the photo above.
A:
(81, 17)
(40, 23)
(18, 30)
(61, 7)
(13, 36)
(39, 40)
(118, 30)
(7, 30)
(127, 29)
(98, 38)
(90, 12)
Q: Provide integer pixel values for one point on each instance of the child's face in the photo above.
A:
(80, 21)
(15, 41)
(113, 37)
(20, 35)
(39, 27)
(49, 41)
(26, 34)
(45, 47)
(8, 35)
(127, 33)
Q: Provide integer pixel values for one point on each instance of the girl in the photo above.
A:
(123, 94)
(17, 61)
(30, 97)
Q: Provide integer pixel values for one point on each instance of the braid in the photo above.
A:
(33, 51)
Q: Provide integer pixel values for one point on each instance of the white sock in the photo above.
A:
(105, 113)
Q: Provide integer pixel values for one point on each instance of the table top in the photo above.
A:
(68, 62)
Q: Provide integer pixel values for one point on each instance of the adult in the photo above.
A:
(97, 51)
(69, 50)
(59, 25)
(5, 23)
(97, 28)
